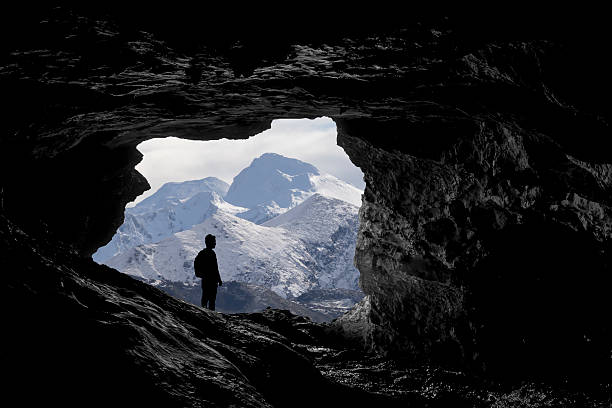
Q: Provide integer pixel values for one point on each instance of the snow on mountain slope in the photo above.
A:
(305, 240)
(270, 178)
(317, 216)
(328, 228)
(309, 247)
(268, 187)
(177, 192)
(330, 186)
(246, 252)
(174, 207)
(272, 184)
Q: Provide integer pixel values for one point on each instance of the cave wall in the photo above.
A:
(491, 256)
(485, 226)
(486, 220)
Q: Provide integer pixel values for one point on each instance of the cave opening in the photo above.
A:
(283, 205)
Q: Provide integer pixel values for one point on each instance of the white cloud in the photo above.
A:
(312, 141)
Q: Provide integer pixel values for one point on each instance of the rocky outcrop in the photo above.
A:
(480, 231)
(485, 226)
(481, 250)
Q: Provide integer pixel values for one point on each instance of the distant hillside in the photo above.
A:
(239, 297)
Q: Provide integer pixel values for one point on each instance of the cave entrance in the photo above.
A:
(282, 204)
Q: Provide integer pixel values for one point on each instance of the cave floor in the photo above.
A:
(428, 386)
(438, 387)
(380, 380)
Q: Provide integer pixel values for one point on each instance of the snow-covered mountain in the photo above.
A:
(289, 256)
(246, 252)
(269, 186)
(328, 229)
(173, 208)
(282, 225)
(273, 184)
(174, 193)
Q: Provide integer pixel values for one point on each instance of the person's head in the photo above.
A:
(210, 241)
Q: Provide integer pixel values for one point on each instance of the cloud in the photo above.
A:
(313, 141)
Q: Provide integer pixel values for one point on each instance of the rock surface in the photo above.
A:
(485, 236)
(498, 239)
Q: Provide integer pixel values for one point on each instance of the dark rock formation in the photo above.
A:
(485, 237)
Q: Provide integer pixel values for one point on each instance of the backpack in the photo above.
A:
(197, 265)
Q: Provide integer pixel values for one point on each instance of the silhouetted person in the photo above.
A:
(205, 265)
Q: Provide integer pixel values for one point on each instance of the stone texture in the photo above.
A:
(487, 247)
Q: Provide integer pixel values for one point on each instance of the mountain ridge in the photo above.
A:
(155, 217)
(289, 261)
(295, 233)
(274, 191)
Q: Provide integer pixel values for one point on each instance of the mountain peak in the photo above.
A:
(181, 191)
(273, 183)
(272, 180)
(284, 164)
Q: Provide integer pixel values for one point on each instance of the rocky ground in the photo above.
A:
(399, 383)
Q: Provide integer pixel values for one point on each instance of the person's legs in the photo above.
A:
(204, 297)
(212, 297)
(209, 295)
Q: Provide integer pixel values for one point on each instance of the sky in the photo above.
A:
(310, 140)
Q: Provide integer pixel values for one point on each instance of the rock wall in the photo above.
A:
(485, 236)
(485, 226)
(480, 258)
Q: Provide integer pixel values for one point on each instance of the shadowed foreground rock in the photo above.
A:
(83, 334)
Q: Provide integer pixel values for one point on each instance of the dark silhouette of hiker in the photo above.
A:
(206, 267)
